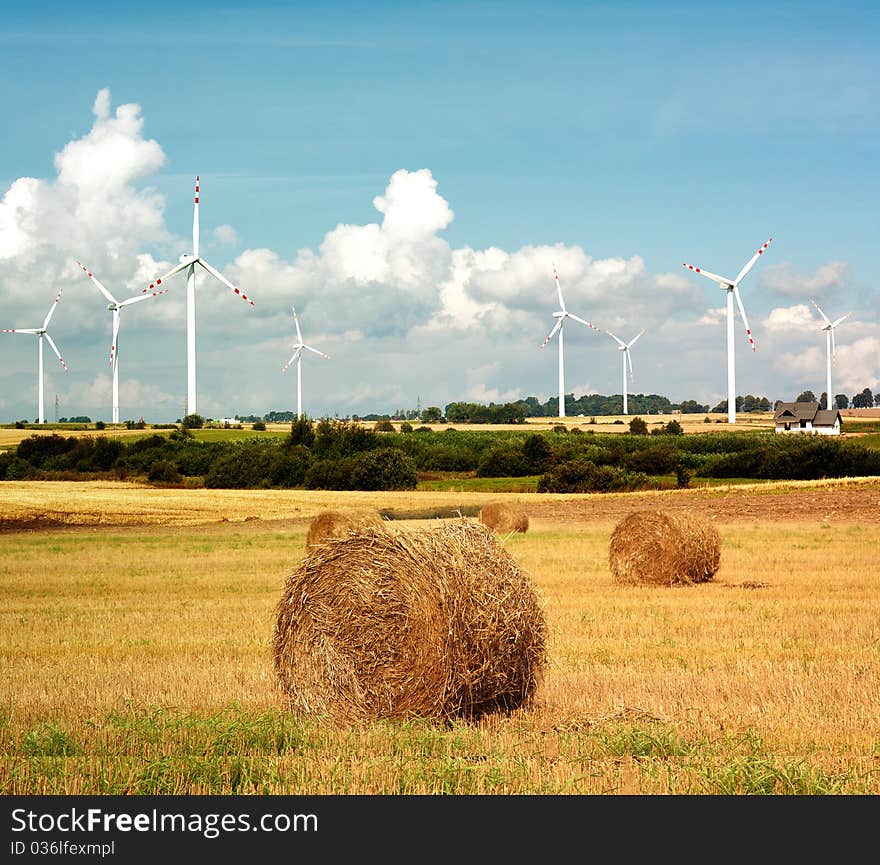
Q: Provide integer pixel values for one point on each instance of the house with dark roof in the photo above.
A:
(806, 417)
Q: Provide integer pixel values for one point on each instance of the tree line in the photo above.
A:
(346, 455)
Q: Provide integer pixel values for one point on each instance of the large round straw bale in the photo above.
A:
(660, 548)
(337, 524)
(504, 517)
(437, 623)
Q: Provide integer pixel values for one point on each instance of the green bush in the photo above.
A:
(538, 453)
(290, 465)
(302, 432)
(638, 427)
(13, 468)
(583, 476)
(329, 475)
(658, 459)
(384, 469)
(342, 438)
(245, 464)
(164, 472)
(503, 461)
(193, 421)
(258, 426)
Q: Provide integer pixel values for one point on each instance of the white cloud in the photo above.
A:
(481, 393)
(781, 279)
(783, 318)
(713, 316)
(226, 234)
(91, 211)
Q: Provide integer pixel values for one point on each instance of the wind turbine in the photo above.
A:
(188, 262)
(298, 347)
(731, 286)
(830, 347)
(627, 360)
(41, 332)
(115, 306)
(560, 315)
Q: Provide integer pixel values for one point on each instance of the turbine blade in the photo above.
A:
(558, 289)
(552, 332)
(616, 338)
(584, 322)
(750, 263)
(293, 358)
(51, 311)
(217, 275)
(835, 323)
(742, 312)
(319, 353)
(97, 282)
(139, 297)
(632, 341)
(629, 363)
(299, 335)
(114, 340)
(20, 330)
(713, 276)
(176, 269)
(55, 349)
(827, 320)
(833, 345)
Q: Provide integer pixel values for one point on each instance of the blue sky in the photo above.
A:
(615, 140)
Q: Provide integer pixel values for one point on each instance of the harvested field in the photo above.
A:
(137, 659)
(80, 503)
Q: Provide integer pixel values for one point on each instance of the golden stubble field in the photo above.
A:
(135, 644)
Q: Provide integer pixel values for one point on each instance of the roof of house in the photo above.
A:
(796, 411)
(787, 412)
(824, 417)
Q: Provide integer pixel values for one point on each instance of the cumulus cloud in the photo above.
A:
(90, 211)
(780, 278)
(713, 316)
(226, 234)
(783, 318)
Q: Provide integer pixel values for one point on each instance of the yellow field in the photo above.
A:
(136, 658)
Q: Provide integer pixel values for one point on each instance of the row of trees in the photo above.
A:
(342, 455)
(863, 399)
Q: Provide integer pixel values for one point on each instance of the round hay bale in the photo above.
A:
(336, 524)
(504, 517)
(659, 548)
(439, 623)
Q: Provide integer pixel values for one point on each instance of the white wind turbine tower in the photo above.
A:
(41, 332)
(115, 306)
(560, 315)
(731, 286)
(830, 348)
(298, 347)
(188, 262)
(627, 360)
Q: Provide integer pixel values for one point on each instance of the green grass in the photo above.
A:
(227, 435)
(158, 751)
(869, 441)
(466, 483)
